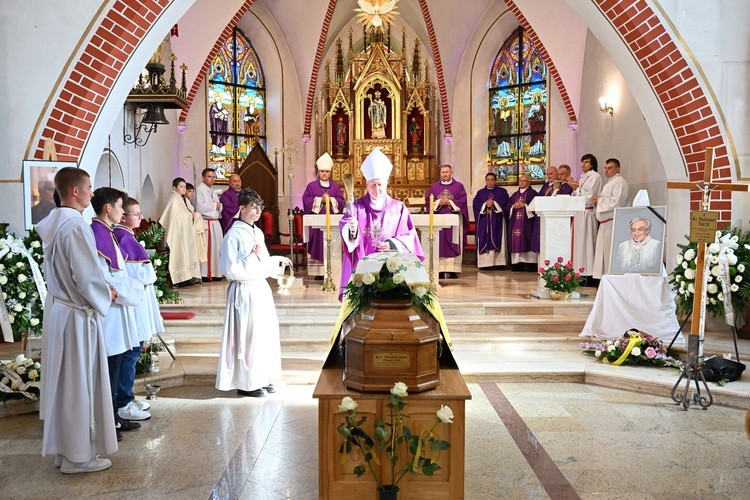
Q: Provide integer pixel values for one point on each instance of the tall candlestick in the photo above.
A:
(328, 216)
(432, 213)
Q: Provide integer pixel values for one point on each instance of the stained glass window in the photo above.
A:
(517, 136)
(236, 104)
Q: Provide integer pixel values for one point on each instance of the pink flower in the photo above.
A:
(541, 270)
(650, 353)
(568, 277)
(555, 278)
(578, 275)
(546, 262)
(557, 264)
(581, 269)
(569, 266)
(560, 259)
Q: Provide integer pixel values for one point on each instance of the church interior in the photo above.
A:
(263, 88)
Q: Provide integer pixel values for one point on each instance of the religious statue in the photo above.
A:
(415, 134)
(219, 117)
(341, 133)
(378, 116)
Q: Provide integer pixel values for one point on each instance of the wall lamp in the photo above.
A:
(605, 106)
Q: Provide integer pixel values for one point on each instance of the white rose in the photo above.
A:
(735, 238)
(709, 278)
(14, 386)
(37, 366)
(20, 264)
(2, 243)
(3, 280)
(22, 278)
(684, 264)
(159, 293)
(734, 287)
(34, 321)
(738, 278)
(611, 348)
(368, 279)
(21, 295)
(20, 359)
(712, 301)
(714, 248)
(678, 278)
(11, 318)
(420, 291)
(689, 274)
(392, 264)
(18, 308)
(157, 262)
(35, 295)
(636, 351)
(712, 288)
(714, 259)
(716, 271)
(445, 414)
(143, 244)
(33, 374)
(731, 259)
(2, 267)
(5, 380)
(741, 267)
(598, 353)
(21, 370)
(398, 278)
(347, 404)
(29, 362)
(399, 389)
(689, 254)
(691, 288)
(34, 244)
(679, 259)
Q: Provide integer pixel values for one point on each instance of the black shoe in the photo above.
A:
(270, 389)
(119, 434)
(205, 280)
(257, 393)
(128, 425)
(195, 281)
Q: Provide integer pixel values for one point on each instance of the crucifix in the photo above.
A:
(702, 231)
(289, 150)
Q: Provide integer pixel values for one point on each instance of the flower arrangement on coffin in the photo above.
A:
(419, 450)
(22, 282)
(561, 278)
(149, 238)
(389, 274)
(634, 347)
(728, 260)
(18, 376)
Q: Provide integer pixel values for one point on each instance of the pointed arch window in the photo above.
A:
(236, 100)
(517, 136)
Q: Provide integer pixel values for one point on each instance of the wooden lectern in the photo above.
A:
(556, 236)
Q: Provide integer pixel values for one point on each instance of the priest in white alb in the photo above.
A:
(584, 223)
(615, 193)
(209, 206)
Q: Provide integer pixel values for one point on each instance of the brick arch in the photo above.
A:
(210, 57)
(683, 99)
(83, 94)
(551, 68)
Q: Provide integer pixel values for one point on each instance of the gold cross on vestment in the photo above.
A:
(706, 186)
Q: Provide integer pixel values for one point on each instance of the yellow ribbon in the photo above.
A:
(635, 340)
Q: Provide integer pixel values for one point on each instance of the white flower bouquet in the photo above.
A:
(19, 375)
(21, 259)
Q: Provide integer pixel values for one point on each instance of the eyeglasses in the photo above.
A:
(137, 215)
(638, 229)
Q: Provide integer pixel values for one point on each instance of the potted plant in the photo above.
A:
(561, 280)
(393, 437)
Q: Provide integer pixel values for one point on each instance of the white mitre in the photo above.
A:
(325, 162)
(376, 166)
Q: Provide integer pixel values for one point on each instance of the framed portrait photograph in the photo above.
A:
(39, 188)
(638, 240)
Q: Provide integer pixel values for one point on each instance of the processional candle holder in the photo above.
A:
(152, 372)
(328, 285)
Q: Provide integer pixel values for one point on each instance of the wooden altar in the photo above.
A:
(377, 98)
(336, 480)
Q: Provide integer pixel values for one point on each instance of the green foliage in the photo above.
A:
(22, 299)
(149, 238)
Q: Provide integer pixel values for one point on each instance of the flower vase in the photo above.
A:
(388, 492)
(557, 295)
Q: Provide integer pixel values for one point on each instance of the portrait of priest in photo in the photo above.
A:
(638, 240)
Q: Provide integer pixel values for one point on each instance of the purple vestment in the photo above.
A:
(230, 206)
(520, 227)
(105, 242)
(490, 225)
(131, 250)
(457, 194)
(315, 190)
(392, 222)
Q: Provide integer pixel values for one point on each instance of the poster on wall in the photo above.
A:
(39, 188)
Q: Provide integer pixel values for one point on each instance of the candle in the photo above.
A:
(432, 213)
(328, 216)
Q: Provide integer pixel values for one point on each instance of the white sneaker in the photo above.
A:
(93, 465)
(59, 460)
(142, 405)
(132, 412)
